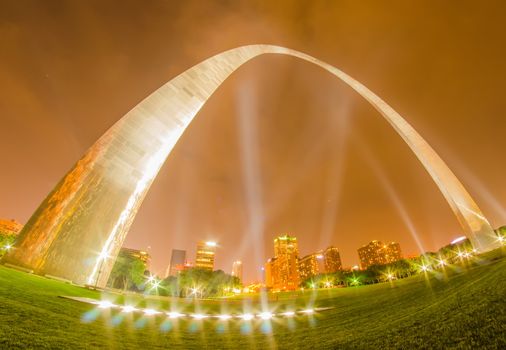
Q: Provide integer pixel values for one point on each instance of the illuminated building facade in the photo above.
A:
(271, 273)
(237, 270)
(205, 255)
(136, 254)
(10, 227)
(377, 253)
(79, 228)
(392, 252)
(326, 261)
(177, 262)
(283, 269)
(332, 260)
(309, 266)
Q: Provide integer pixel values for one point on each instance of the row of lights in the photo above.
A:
(223, 317)
(442, 263)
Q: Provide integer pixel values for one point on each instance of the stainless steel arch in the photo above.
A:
(79, 228)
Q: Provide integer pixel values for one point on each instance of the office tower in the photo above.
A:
(332, 260)
(177, 262)
(205, 255)
(377, 253)
(284, 268)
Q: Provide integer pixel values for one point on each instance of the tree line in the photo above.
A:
(130, 274)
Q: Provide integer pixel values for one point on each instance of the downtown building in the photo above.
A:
(10, 227)
(326, 261)
(177, 263)
(136, 254)
(378, 253)
(281, 272)
(205, 255)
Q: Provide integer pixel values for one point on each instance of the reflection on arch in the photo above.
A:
(79, 228)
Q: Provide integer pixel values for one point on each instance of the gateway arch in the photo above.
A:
(77, 231)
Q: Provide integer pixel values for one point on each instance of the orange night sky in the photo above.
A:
(282, 147)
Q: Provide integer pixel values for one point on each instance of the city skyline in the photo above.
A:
(309, 206)
(236, 174)
(188, 263)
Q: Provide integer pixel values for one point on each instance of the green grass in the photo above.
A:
(454, 310)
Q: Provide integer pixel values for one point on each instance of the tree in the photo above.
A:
(402, 268)
(6, 241)
(127, 273)
(199, 283)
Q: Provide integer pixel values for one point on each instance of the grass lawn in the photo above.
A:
(459, 309)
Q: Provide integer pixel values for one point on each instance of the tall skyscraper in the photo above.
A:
(271, 272)
(377, 253)
(308, 266)
(177, 262)
(327, 261)
(237, 270)
(205, 255)
(392, 252)
(283, 269)
(332, 260)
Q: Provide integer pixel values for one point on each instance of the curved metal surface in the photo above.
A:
(79, 228)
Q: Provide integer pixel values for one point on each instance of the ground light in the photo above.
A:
(266, 315)
(247, 317)
(150, 312)
(128, 309)
(224, 317)
(105, 304)
(199, 316)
